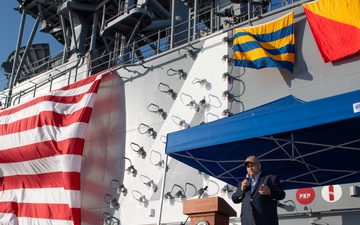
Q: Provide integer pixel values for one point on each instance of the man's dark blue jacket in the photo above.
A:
(260, 208)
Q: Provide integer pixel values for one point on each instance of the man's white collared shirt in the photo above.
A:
(253, 182)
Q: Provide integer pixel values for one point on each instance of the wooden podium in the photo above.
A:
(208, 211)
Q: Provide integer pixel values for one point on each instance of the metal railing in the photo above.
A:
(206, 23)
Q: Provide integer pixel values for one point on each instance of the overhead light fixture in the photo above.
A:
(230, 97)
(178, 73)
(226, 189)
(107, 219)
(227, 77)
(148, 182)
(191, 104)
(180, 122)
(201, 191)
(227, 23)
(157, 110)
(168, 195)
(188, 101)
(168, 91)
(139, 150)
(159, 163)
(226, 113)
(202, 82)
(131, 169)
(150, 132)
(227, 59)
(145, 129)
(139, 197)
(190, 52)
(120, 188)
(202, 103)
(225, 94)
(179, 194)
(226, 40)
(111, 201)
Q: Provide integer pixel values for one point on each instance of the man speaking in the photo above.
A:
(259, 194)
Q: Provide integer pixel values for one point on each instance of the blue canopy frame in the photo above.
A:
(306, 144)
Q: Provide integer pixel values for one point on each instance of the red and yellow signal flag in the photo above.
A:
(335, 26)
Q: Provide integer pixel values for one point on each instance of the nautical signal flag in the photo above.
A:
(335, 26)
(41, 153)
(267, 45)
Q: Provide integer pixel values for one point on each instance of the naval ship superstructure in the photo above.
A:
(170, 68)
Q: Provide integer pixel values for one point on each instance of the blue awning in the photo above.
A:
(305, 143)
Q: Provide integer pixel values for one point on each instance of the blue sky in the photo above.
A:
(9, 25)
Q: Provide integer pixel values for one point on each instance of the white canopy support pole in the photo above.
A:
(162, 189)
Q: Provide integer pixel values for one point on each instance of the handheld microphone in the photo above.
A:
(247, 177)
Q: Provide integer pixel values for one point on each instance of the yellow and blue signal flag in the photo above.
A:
(267, 45)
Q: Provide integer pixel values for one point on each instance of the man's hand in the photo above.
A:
(245, 184)
(264, 190)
